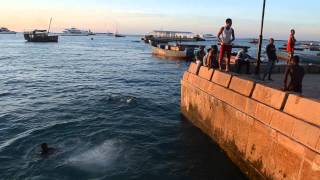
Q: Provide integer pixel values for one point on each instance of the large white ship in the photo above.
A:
(4, 30)
(75, 32)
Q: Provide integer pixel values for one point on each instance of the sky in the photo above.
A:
(142, 16)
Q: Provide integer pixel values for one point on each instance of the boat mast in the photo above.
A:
(49, 25)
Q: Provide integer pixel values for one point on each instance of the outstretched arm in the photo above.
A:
(219, 34)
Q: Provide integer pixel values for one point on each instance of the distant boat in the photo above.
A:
(4, 30)
(170, 36)
(208, 36)
(40, 35)
(75, 32)
(254, 41)
(119, 35)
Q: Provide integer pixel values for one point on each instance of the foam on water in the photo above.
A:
(97, 159)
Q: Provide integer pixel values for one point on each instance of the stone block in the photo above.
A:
(283, 122)
(303, 108)
(306, 133)
(242, 86)
(287, 158)
(193, 68)
(221, 78)
(185, 76)
(310, 171)
(269, 96)
(260, 147)
(206, 73)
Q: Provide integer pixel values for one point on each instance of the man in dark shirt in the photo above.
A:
(296, 73)
(272, 58)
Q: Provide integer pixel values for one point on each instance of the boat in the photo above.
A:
(118, 35)
(75, 32)
(208, 36)
(254, 41)
(173, 51)
(170, 36)
(4, 30)
(40, 35)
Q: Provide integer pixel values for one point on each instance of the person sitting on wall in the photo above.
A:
(243, 59)
(206, 58)
(199, 57)
(296, 73)
(213, 58)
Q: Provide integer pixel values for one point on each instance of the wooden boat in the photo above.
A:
(39, 36)
(173, 52)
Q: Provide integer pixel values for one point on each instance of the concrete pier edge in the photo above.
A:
(268, 133)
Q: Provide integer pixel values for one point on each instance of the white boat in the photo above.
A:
(208, 36)
(75, 32)
(4, 30)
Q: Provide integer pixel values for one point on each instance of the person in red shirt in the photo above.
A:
(291, 43)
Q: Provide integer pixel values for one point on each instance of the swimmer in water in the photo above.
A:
(45, 150)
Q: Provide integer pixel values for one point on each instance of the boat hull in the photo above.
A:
(8, 33)
(169, 53)
(30, 38)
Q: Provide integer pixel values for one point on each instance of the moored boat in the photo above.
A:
(40, 36)
(75, 32)
(4, 30)
(119, 35)
(173, 51)
(170, 36)
(254, 41)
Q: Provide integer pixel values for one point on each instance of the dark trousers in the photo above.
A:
(241, 63)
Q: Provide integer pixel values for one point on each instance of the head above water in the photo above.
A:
(44, 147)
(229, 22)
(295, 60)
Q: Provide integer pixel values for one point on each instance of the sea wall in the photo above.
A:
(268, 133)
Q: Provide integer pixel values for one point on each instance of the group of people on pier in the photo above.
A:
(214, 58)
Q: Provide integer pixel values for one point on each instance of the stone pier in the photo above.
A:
(268, 133)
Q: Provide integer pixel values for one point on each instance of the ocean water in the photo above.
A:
(107, 105)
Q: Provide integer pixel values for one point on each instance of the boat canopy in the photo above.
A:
(170, 34)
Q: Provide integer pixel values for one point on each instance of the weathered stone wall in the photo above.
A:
(268, 133)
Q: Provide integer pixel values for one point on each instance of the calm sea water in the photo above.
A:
(109, 108)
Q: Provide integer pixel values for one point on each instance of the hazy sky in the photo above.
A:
(141, 16)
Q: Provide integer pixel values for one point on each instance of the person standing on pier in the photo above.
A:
(296, 73)
(272, 58)
(291, 43)
(226, 37)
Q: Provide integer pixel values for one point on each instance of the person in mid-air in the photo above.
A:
(226, 37)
